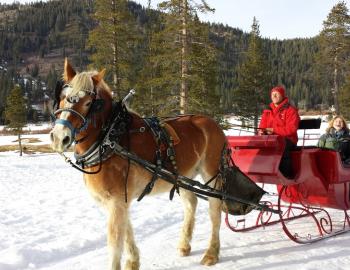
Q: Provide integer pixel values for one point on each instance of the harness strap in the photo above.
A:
(71, 111)
(187, 183)
(174, 188)
(162, 138)
(81, 169)
(150, 185)
(109, 136)
(68, 124)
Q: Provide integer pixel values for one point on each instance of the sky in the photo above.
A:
(281, 19)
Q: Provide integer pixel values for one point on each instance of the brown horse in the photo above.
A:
(86, 107)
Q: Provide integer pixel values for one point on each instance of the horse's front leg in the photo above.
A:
(211, 256)
(132, 252)
(117, 224)
(189, 201)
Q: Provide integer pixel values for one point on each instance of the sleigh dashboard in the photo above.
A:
(257, 156)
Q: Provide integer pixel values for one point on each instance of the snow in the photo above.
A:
(13, 140)
(48, 221)
(34, 127)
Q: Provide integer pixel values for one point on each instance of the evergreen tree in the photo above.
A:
(112, 41)
(203, 76)
(181, 55)
(253, 80)
(147, 86)
(15, 113)
(334, 42)
(54, 27)
(344, 99)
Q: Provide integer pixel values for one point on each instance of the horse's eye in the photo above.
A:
(88, 104)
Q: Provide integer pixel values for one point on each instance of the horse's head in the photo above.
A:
(80, 98)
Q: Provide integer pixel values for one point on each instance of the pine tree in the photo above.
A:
(181, 53)
(147, 86)
(112, 41)
(15, 113)
(334, 42)
(253, 80)
(203, 76)
(344, 99)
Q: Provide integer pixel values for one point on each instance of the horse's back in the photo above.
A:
(197, 127)
(200, 140)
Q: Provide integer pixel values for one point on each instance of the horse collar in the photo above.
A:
(110, 136)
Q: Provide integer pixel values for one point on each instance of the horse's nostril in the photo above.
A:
(66, 140)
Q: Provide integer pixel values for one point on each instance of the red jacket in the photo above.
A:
(284, 119)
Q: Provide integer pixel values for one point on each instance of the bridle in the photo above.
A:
(96, 106)
(110, 134)
(74, 131)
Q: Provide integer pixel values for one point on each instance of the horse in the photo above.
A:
(85, 108)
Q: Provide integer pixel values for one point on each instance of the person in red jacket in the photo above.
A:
(281, 118)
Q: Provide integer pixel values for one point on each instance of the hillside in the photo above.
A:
(35, 38)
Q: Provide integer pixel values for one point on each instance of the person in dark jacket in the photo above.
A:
(281, 118)
(337, 137)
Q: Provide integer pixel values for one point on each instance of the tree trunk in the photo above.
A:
(20, 143)
(184, 60)
(335, 84)
(115, 73)
(116, 90)
(150, 37)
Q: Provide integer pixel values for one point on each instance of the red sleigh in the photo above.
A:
(313, 205)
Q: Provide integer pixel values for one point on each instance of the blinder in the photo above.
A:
(97, 106)
(58, 90)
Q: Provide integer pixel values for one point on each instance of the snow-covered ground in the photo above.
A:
(48, 221)
(26, 138)
(34, 127)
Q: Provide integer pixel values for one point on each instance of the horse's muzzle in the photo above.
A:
(60, 139)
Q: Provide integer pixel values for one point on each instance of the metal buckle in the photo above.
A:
(73, 99)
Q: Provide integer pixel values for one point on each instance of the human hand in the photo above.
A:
(269, 131)
(260, 132)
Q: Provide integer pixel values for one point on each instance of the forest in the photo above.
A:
(220, 72)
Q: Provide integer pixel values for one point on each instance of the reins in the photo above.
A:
(69, 161)
(186, 183)
(108, 144)
(109, 136)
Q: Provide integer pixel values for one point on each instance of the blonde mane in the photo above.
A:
(83, 82)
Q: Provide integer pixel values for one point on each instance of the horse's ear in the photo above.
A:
(99, 76)
(69, 71)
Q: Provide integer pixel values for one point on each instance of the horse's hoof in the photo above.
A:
(209, 260)
(129, 265)
(184, 251)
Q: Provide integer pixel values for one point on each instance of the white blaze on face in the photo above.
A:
(61, 135)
